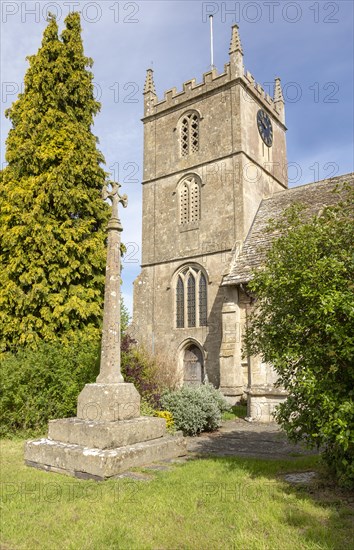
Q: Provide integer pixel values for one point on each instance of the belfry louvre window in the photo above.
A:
(189, 199)
(191, 298)
(189, 134)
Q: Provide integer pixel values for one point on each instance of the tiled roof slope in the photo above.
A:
(314, 195)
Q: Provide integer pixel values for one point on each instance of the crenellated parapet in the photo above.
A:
(212, 81)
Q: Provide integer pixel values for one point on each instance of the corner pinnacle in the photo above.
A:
(278, 94)
(149, 82)
(235, 45)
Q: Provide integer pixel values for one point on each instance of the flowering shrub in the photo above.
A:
(168, 417)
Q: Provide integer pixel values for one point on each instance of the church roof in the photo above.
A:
(314, 196)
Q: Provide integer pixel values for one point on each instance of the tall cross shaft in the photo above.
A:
(110, 372)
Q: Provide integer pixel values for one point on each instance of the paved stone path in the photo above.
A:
(246, 439)
(234, 438)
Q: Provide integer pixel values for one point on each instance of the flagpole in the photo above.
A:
(211, 42)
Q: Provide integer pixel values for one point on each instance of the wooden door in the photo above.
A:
(193, 366)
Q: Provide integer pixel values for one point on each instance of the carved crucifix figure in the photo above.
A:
(110, 348)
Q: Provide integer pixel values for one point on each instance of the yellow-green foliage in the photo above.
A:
(168, 417)
(146, 409)
(52, 217)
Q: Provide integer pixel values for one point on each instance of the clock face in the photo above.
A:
(265, 127)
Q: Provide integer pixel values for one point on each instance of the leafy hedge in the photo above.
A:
(38, 385)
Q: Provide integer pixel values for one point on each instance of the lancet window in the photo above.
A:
(191, 298)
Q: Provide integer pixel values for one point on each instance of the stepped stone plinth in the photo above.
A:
(100, 448)
(108, 436)
(99, 464)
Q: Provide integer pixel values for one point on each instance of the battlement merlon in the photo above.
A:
(234, 72)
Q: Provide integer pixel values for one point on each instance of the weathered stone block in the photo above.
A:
(262, 401)
(106, 435)
(84, 462)
(108, 402)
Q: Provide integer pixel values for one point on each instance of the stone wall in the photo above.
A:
(154, 322)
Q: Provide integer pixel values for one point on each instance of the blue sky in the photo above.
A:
(309, 44)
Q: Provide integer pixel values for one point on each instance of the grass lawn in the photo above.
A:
(237, 411)
(212, 503)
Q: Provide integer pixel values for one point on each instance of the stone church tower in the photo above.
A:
(212, 153)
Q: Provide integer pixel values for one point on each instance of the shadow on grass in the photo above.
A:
(266, 457)
(209, 503)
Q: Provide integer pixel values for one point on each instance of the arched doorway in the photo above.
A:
(193, 366)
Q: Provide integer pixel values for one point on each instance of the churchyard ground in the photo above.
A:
(204, 503)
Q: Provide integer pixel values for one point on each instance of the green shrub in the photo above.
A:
(303, 325)
(339, 459)
(38, 385)
(195, 408)
(146, 409)
(209, 391)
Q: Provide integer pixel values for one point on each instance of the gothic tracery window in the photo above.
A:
(191, 298)
(189, 198)
(189, 134)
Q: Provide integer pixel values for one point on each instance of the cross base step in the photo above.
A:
(100, 464)
(106, 435)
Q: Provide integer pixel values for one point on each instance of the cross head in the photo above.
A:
(114, 197)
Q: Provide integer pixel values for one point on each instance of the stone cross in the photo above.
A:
(110, 346)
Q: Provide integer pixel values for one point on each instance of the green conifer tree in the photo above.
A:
(52, 216)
